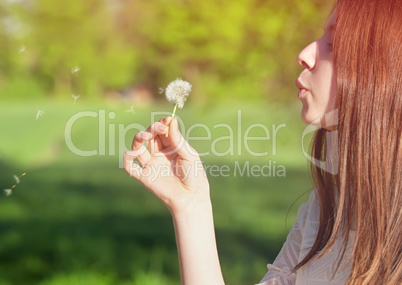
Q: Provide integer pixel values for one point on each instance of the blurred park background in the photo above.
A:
(81, 219)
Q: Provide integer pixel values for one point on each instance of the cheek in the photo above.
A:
(326, 88)
(326, 103)
(331, 92)
(332, 95)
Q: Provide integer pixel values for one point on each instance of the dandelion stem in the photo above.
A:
(174, 112)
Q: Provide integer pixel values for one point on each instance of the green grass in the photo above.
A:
(82, 219)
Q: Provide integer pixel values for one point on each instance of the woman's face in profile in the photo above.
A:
(316, 82)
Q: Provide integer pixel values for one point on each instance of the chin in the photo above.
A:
(310, 119)
(327, 121)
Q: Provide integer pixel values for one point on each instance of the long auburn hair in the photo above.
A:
(365, 193)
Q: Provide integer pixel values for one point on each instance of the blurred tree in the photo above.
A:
(80, 34)
(227, 49)
(77, 34)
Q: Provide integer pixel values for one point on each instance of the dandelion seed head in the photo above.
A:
(177, 92)
(8, 192)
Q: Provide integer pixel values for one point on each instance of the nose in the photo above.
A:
(307, 57)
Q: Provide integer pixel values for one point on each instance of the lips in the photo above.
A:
(301, 87)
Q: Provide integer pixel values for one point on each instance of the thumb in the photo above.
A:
(178, 142)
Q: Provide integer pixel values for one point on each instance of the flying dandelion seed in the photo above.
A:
(75, 97)
(17, 179)
(161, 90)
(131, 110)
(21, 49)
(8, 192)
(39, 114)
(75, 69)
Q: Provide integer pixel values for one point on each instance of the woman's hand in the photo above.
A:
(173, 171)
(170, 167)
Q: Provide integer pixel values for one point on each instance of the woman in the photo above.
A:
(349, 232)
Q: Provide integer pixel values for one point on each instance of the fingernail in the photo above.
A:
(162, 128)
(144, 135)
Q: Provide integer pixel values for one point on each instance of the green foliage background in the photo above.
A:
(227, 49)
(82, 220)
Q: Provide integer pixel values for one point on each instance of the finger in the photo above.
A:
(156, 129)
(164, 139)
(177, 141)
(139, 139)
(143, 154)
(166, 120)
(133, 169)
